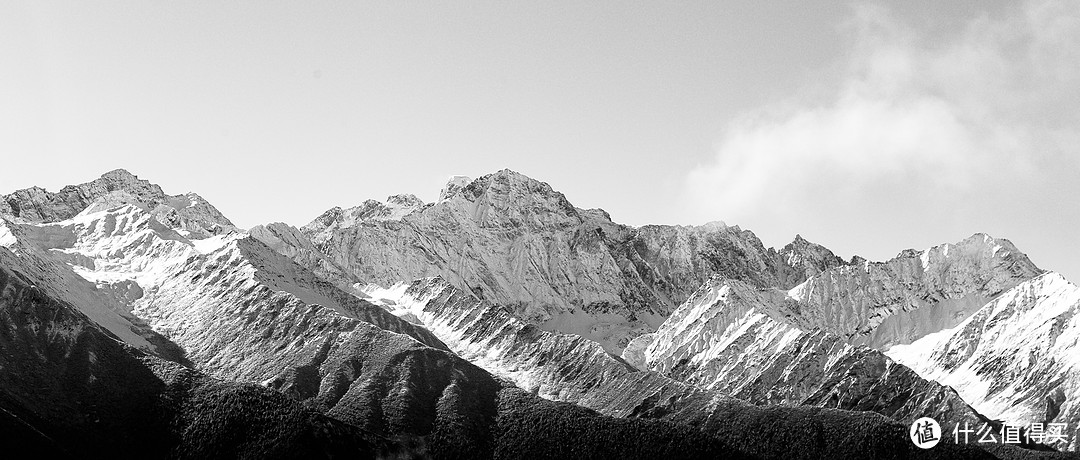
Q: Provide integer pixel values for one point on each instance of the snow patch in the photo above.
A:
(211, 244)
(7, 239)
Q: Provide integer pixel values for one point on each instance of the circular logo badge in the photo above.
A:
(925, 432)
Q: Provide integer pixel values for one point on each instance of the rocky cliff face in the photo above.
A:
(1015, 358)
(807, 259)
(516, 242)
(38, 205)
(738, 340)
(188, 213)
(290, 242)
(916, 293)
(454, 185)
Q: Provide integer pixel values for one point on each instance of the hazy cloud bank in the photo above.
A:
(942, 131)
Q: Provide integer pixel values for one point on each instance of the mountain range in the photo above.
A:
(501, 321)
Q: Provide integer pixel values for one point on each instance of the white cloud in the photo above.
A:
(917, 128)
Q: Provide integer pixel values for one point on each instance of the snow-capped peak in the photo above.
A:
(189, 213)
(453, 185)
(1014, 359)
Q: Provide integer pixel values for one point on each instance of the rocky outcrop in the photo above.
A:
(807, 259)
(454, 185)
(290, 242)
(38, 205)
(395, 207)
(188, 213)
(881, 304)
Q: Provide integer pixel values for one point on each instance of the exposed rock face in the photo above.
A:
(290, 242)
(735, 338)
(454, 185)
(395, 207)
(516, 242)
(188, 213)
(916, 293)
(1015, 359)
(808, 259)
(38, 205)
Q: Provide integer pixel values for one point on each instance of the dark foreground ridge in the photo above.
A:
(70, 389)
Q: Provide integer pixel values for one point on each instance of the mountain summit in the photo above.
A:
(38, 205)
(189, 212)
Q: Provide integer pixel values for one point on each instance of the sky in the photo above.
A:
(866, 127)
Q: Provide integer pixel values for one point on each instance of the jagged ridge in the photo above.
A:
(514, 241)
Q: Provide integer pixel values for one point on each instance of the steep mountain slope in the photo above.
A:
(809, 345)
(735, 338)
(200, 292)
(1015, 359)
(79, 392)
(763, 361)
(567, 368)
(876, 304)
(514, 241)
(290, 242)
(101, 302)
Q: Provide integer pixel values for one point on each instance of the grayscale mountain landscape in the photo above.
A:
(503, 321)
(581, 230)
